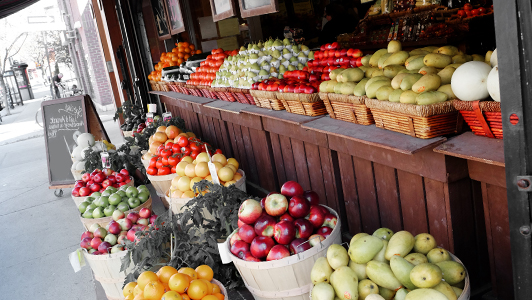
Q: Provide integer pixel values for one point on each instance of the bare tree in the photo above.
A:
(8, 52)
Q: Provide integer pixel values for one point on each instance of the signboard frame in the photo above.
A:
(162, 3)
(169, 18)
(262, 10)
(224, 15)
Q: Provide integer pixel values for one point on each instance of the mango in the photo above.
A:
(364, 69)
(454, 65)
(360, 269)
(401, 269)
(334, 73)
(384, 92)
(366, 287)
(444, 288)
(345, 283)
(348, 88)
(415, 63)
(382, 275)
(448, 50)
(437, 255)
(400, 244)
(360, 88)
(408, 97)
(419, 52)
(427, 70)
(383, 233)
(400, 294)
(431, 97)
(431, 49)
(408, 81)
(323, 291)
(437, 60)
(453, 272)
(370, 71)
(321, 271)
(424, 242)
(351, 75)
(460, 285)
(427, 83)
(375, 297)
(396, 81)
(377, 73)
(459, 59)
(371, 91)
(457, 291)
(338, 87)
(405, 71)
(395, 96)
(374, 79)
(364, 249)
(487, 58)
(383, 58)
(446, 75)
(424, 294)
(374, 59)
(337, 256)
(477, 57)
(394, 46)
(330, 87)
(426, 275)
(416, 258)
(385, 293)
(392, 70)
(380, 256)
(397, 58)
(323, 86)
(365, 60)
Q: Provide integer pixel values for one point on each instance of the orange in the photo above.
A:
(146, 277)
(137, 291)
(198, 51)
(205, 272)
(186, 44)
(154, 290)
(185, 297)
(209, 286)
(179, 282)
(209, 297)
(180, 55)
(190, 272)
(219, 296)
(130, 297)
(128, 289)
(139, 297)
(180, 44)
(215, 289)
(171, 295)
(186, 56)
(165, 273)
(192, 47)
(197, 289)
(180, 61)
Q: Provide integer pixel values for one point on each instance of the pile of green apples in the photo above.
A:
(388, 266)
(101, 205)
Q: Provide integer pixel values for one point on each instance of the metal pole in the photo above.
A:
(49, 67)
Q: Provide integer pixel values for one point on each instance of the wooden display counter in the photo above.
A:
(372, 177)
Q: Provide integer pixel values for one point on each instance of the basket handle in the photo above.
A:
(480, 118)
(411, 127)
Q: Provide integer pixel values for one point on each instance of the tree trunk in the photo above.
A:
(4, 90)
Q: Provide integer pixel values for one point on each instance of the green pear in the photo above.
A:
(367, 287)
(394, 46)
(385, 293)
(383, 233)
(276, 54)
(345, 283)
(453, 272)
(400, 244)
(323, 291)
(425, 294)
(321, 271)
(291, 68)
(365, 248)
(416, 258)
(426, 275)
(437, 255)
(380, 256)
(400, 294)
(286, 51)
(337, 256)
(360, 269)
(382, 275)
(424, 243)
(457, 291)
(348, 88)
(444, 288)
(401, 269)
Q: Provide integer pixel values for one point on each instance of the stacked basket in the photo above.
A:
(349, 108)
(303, 104)
(267, 99)
(483, 117)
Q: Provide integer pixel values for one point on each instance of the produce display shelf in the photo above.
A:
(473, 147)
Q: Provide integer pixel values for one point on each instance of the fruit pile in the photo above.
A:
(171, 284)
(99, 180)
(468, 11)
(261, 61)
(206, 73)
(191, 171)
(421, 76)
(331, 57)
(113, 202)
(293, 82)
(98, 240)
(388, 265)
(86, 141)
(276, 227)
(179, 55)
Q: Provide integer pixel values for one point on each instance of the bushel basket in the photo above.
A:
(349, 108)
(483, 117)
(106, 270)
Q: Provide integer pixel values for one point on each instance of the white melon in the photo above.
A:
(469, 81)
(85, 139)
(493, 60)
(493, 84)
(80, 166)
(83, 152)
(76, 153)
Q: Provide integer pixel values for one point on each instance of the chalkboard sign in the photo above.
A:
(64, 119)
(174, 16)
(159, 15)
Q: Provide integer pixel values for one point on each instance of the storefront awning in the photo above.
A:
(9, 7)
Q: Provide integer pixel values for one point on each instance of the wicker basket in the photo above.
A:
(106, 269)
(154, 85)
(483, 117)
(303, 104)
(164, 86)
(421, 121)
(104, 221)
(161, 183)
(240, 96)
(267, 99)
(349, 108)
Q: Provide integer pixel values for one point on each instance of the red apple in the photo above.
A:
(105, 247)
(324, 231)
(239, 248)
(284, 232)
(357, 53)
(240, 223)
(95, 252)
(315, 239)
(468, 6)
(316, 216)
(120, 178)
(152, 219)
(79, 184)
(114, 228)
(278, 252)
(131, 234)
(118, 214)
(143, 221)
(247, 256)
(298, 207)
(304, 228)
(85, 177)
(291, 189)
(106, 183)
(235, 237)
(84, 191)
(133, 217)
(86, 243)
(312, 197)
(75, 192)
(145, 213)
(330, 220)
(261, 246)
(107, 172)
(462, 13)
(122, 239)
(95, 242)
(276, 205)
(125, 224)
(247, 233)
(299, 245)
(475, 12)
(89, 183)
(95, 187)
(87, 234)
(264, 226)
(124, 172)
(98, 178)
(112, 178)
(286, 217)
(249, 211)
(100, 232)
(262, 201)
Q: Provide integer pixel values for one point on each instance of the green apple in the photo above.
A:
(114, 199)
(142, 187)
(108, 211)
(92, 206)
(123, 206)
(143, 196)
(98, 213)
(88, 213)
(104, 201)
(96, 194)
(123, 188)
(83, 206)
(132, 191)
(106, 193)
(112, 189)
(122, 193)
(133, 202)
(90, 199)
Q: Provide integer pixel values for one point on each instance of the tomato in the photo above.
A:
(151, 171)
(182, 141)
(159, 163)
(164, 159)
(166, 152)
(174, 159)
(176, 148)
(172, 171)
(153, 160)
(468, 6)
(218, 151)
(165, 170)
(159, 149)
(186, 151)
(195, 146)
(168, 145)
(194, 153)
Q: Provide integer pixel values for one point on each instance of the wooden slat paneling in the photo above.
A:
(437, 213)
(300, 162)
(351, 202)
(263, 158)
(288, 157)
(413, 205)
(314, 169)
(329, 179)
(388, 197)
(278, 158)
(369, 207)
(244, 141)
